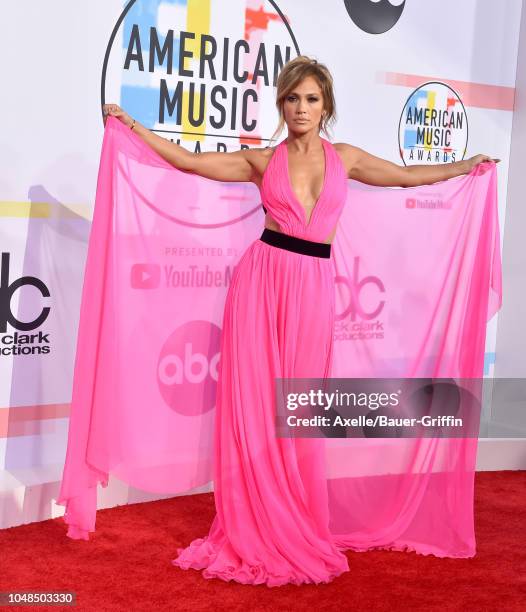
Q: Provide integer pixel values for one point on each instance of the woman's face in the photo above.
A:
(303, 106)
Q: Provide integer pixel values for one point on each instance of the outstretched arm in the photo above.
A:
(373, 170)
(224, 167)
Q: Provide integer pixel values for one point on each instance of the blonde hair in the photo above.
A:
(292, 73)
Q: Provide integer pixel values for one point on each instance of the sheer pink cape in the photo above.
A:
(418, 275)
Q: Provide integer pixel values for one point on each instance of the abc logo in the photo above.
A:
(375, 16)
(187, 370)
(6, 294)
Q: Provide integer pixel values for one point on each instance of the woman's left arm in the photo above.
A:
(367, 168)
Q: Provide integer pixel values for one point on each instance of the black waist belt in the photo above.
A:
(297, 245)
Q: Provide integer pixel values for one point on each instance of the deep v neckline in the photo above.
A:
(291, 189)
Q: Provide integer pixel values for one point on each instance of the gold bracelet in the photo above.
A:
(132, 125)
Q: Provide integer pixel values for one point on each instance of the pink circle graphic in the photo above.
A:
(187, 369)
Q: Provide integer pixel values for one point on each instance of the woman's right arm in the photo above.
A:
(224, 167)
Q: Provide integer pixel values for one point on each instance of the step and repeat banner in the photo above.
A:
(415, 82)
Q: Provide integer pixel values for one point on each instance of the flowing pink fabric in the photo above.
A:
(177, 276)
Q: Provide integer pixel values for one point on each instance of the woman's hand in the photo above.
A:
(477, 159)
(116, 111)
(220, 166)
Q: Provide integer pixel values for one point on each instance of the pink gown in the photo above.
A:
(437, 280)
(272, 515)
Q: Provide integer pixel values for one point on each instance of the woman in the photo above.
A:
(272, 521)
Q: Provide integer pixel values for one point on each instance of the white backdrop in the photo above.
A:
(52, 62)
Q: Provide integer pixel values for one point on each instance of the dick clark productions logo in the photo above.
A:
(17, 343)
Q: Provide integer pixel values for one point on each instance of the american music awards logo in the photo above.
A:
(199, 71)
(202, 74)
(433, 126)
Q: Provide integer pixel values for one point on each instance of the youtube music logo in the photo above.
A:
(145, 276)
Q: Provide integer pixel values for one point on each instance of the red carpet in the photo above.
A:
(126, 565)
